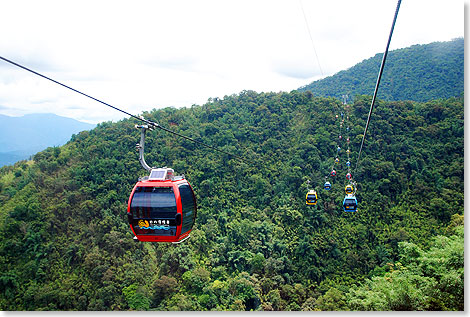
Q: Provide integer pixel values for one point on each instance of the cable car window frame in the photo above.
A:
(144, 208)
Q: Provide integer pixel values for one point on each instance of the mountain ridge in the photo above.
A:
(420, 72)
(65, 241)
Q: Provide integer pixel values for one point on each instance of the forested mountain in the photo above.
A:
(23, 136)
(419, 73)
(65, 243)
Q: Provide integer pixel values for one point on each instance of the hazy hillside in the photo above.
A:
(23, 136)
(419, 72)
(65, 243)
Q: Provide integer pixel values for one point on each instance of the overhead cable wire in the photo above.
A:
(378, 83)
(151, 123)
(311, 38)
(336, 156)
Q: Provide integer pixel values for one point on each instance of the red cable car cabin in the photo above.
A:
(162, 207)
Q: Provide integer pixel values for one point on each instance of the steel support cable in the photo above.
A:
(153, 124)
(311, 38)
(346, 111)
(378, 83)
(348, 134)
(351, 181)
(337, 152)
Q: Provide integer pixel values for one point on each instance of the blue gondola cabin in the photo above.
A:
(350, 203)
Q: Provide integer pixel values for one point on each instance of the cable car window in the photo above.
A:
(152, 202)
(154, 210)
(188, 203)
(311, 197)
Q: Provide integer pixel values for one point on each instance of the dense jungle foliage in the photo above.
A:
(65, 243)
(419, 73)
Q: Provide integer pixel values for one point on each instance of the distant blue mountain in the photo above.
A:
(21, 137)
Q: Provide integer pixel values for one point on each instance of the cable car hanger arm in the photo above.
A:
(141, 146)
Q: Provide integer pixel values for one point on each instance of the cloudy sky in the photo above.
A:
(139, 55)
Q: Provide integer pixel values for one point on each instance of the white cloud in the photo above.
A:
(151, 54)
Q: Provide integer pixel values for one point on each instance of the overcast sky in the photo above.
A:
(140, 55)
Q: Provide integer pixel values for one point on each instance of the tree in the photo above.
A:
(136, 297)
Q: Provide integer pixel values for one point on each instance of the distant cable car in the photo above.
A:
(348, 176)
(337, 160)
(340, 137)
(347, 140)
(311, 197)
(350, 203)
(348, 163)
(349, 189)
(339, 148)
(162, 207)
(333, 173)
(327, 186)
(347, 151)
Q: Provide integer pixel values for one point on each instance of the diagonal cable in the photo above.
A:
(310, 34)
(154, 124)
(378, 83)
